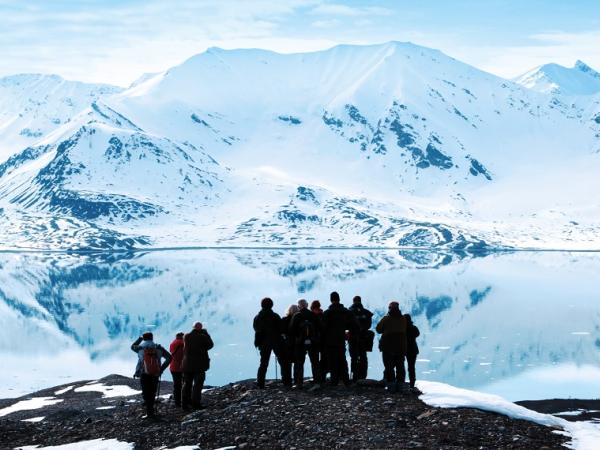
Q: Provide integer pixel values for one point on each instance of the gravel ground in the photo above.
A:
(360, 416)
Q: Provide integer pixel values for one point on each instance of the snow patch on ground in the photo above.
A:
(26, 405)
(108, 391)
(585, 435)
(34, 419)
(94, 444)
(189, 447)
(62, 391)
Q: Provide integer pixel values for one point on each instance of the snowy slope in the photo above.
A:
(392, 144)
(33, 105)
(580, 79)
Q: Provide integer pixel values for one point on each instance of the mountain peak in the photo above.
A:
(583, 67)
(553, 78)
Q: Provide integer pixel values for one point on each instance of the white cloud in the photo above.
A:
(327, 23)
(336, 9)
(93, 42)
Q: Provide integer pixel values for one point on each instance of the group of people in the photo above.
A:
(323, 336)
(304, 330)
(187, 360)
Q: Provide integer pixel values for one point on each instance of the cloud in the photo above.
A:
(336, 9)
(117, 41)
(327, 23)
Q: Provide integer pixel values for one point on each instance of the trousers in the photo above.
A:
(177, 387)
(149, 384)
(393, 364)
(191, 394)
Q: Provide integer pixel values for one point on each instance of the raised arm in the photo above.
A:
(136, 345)
(167, 356)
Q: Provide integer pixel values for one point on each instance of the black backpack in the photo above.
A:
(306, 332)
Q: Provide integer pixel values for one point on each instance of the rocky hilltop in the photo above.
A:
(239, 416)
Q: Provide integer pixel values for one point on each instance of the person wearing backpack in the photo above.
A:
(393, 346)
(195, 363)
(412, 349)
(337, 321)
(176, 349)
(267, 338)
(359, 345)
(149, 368)
(305, 334)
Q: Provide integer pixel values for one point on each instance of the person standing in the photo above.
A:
(304, 331)
(337, 320)
(412, 349)
(363, 342)
(149, 368)
(315, 307)
(393, 345)
(287, 357)
(194, 364)
(267, 338)
(176, 350)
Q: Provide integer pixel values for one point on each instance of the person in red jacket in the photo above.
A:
(176, 349)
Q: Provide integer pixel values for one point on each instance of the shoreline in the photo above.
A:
(436, 250)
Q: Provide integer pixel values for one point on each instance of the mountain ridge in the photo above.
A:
(406, 133)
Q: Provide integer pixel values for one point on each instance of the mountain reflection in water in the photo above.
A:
(523, 325)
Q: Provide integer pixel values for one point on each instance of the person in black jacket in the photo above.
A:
(267, 338)
(194, 365)
(337, 321)
(392, 344)
(305, 333)
(363, 342)
(412, 349)
(315, 307)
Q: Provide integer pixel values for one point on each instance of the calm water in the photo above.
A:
(523, 325)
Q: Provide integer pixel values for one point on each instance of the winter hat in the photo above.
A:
(147, 336)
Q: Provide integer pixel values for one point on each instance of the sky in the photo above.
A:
(116, 41)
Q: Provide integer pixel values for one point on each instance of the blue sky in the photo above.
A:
(116, 41)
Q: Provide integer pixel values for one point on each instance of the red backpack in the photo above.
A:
(151, 362)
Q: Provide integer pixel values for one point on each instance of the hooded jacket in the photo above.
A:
(297, 322)
(197, 343)
(336, 320)
(412, 333)
(392, 328)
(138, 347)
(176, 349)
(267, 328)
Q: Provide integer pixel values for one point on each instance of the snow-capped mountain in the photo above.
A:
(33, 105)
(580, 79)
(381, 145)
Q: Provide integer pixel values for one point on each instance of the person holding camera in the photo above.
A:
(195, 363)
(149, 368)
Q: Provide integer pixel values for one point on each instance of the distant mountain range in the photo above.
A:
(392, 145)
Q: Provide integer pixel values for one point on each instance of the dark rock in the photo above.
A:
(360, 416)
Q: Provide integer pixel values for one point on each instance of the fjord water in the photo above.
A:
(523, 325)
